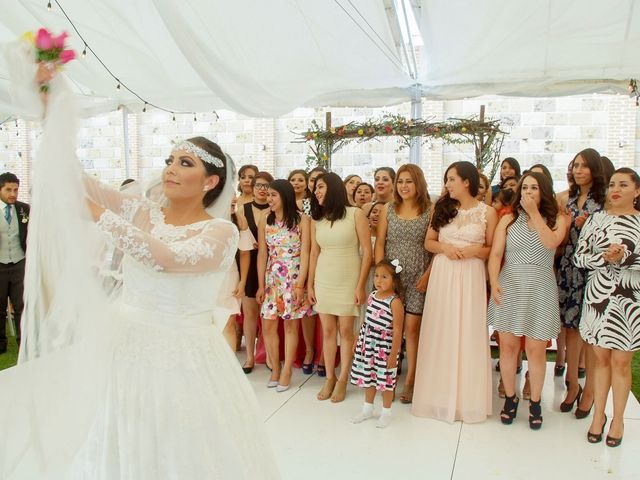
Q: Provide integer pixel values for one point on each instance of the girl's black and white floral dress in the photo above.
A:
(369, 368)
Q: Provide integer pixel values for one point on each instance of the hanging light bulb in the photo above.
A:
(118, 86)
(144, 109)
(49, 6)
(84, 52)
(195, 119)
(174, 116)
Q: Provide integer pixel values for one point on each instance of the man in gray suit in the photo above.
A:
(14, 222)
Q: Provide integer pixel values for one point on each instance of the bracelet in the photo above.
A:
(298, 286)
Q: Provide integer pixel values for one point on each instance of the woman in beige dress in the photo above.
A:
(337, 275)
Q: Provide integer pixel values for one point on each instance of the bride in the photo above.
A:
(141, 387)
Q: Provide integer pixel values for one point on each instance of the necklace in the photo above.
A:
(260, 206)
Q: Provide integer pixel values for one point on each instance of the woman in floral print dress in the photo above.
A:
(283, 259)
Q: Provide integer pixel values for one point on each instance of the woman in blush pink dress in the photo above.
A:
(453, 377)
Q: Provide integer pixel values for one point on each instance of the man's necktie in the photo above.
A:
(7, 213)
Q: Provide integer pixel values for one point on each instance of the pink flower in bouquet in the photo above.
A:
(67, 55)
(58, 42)
(44, 41)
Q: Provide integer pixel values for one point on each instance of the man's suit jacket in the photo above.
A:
(23, 210)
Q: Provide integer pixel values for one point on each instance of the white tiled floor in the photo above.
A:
(315, 440)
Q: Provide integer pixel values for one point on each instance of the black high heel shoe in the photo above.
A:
(246, 369)
(567, 407)
(580, 414)
(510, 409)
(307, 368)
(535, 415)
(612, 441)
(597, 437)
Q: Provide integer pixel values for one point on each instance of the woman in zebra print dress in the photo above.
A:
(524, 295)
(609, 247)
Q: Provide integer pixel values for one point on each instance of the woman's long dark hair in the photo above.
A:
(307, 193)
(598, 188)
(514, 164)
(608, 168)
(335, 199)
(548, 205)
(544, 169)
(446, 207)
(290, 213)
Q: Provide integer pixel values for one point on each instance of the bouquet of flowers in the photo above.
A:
(50, 49)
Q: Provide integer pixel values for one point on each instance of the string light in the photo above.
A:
(195, 119)
(144, 109)
(120, 85)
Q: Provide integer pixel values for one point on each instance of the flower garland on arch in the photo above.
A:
(486, 136)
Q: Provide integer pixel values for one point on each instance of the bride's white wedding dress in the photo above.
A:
(139, 388)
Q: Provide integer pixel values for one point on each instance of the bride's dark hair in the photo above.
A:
(215, 150)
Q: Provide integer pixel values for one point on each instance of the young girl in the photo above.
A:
(375, 360)
(502, 202)
(283, 258)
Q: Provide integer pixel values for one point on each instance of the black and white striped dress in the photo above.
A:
(369, 367)
(611, 310)
(529, 303)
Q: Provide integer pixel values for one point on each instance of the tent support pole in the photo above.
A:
(125, 131)
(415, 151)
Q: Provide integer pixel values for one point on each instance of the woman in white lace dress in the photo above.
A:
(159, 394)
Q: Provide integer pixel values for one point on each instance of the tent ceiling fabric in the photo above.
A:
(257, 58)
(520, 47)
(265, 58)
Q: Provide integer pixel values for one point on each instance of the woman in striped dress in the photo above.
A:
(524, 295)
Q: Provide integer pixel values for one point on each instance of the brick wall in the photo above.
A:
(541, 130)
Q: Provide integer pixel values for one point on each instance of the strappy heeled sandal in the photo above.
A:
(510, 409)
(407, 394)
(535, 415)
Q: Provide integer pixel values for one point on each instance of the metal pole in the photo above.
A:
(415, 152)
(125, 132)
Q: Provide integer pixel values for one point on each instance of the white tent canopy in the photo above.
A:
(265, 58)
(528, 48)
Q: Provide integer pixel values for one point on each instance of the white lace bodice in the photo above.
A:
(169, 269)
(467, 228)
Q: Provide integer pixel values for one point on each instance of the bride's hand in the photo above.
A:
(45, 72)
(95, 210)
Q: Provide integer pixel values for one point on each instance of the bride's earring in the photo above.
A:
(205, 189)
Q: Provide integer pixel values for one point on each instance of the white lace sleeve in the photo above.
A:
(208, 249)
(104, 195)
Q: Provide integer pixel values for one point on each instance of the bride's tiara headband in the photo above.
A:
(200, 152)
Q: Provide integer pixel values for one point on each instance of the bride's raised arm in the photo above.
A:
(210, 249)
(106, 196)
